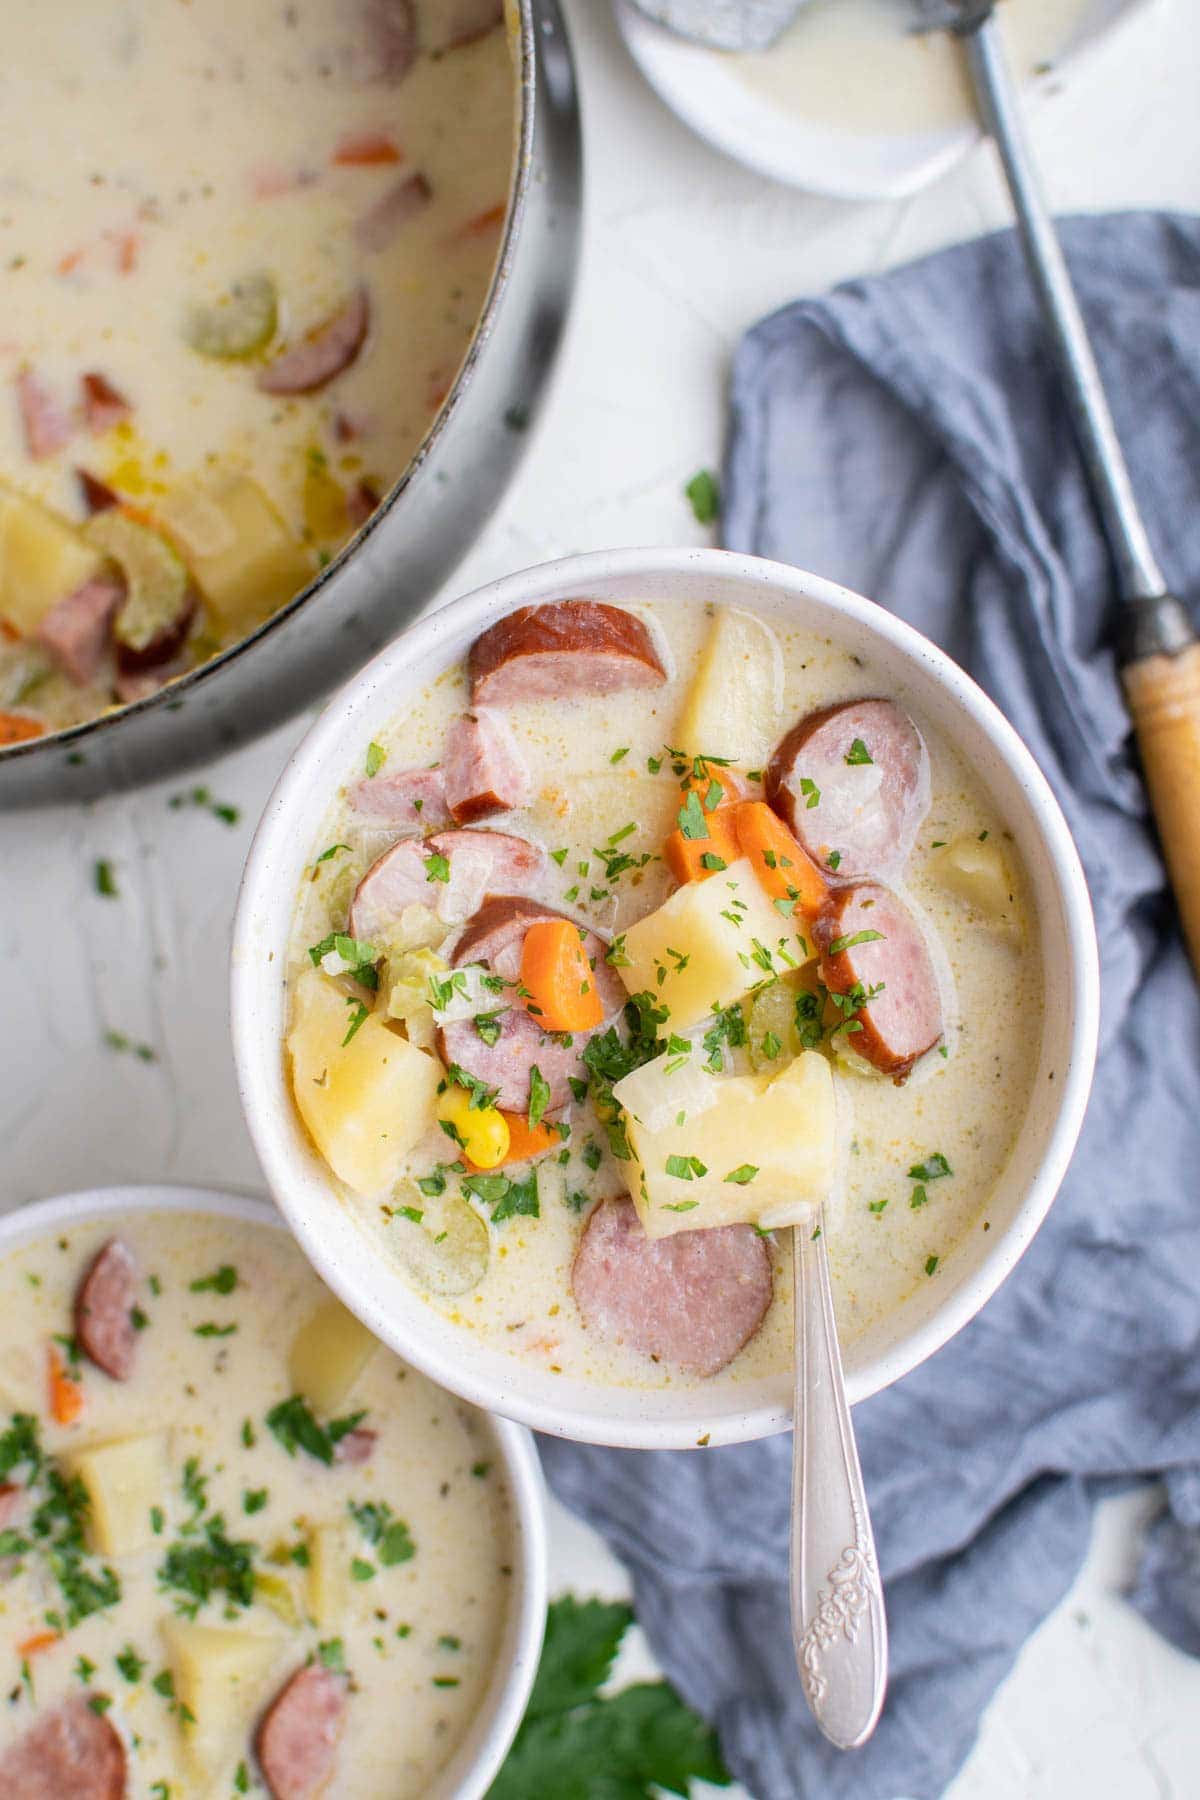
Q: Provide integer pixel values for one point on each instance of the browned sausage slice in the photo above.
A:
(103, 405)
(405, 800)
(693, 1299)
(323, 354)
(75, 631)
(298, 1738)
(852, 781)
(389, 42)
(449, 873)
(46, 424)
(483, 769)
(571, 648)
(404, 200)
(495, 934)
(103, 1310)
(72, 1751)
(873, 949)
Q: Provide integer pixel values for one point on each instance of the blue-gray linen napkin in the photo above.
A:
(907, 436)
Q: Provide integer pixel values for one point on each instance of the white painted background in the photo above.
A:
(683, 251)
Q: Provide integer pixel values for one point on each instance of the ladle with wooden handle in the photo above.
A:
(1157, 646)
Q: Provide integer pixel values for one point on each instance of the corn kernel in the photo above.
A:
(482, 1130)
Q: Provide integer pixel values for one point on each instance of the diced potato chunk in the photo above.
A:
(659, 1091)
(42, 560)
(219, 1674)
(734, 704)
(777, 1134)
(365, 1103)
(709, 944)
(245, 561)
(328, 1581)
(328, 1354)
(977, 873)
(124, 1480)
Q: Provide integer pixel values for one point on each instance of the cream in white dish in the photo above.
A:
(597, 794)
(193, 201)
(208, 1559)
(858, 66)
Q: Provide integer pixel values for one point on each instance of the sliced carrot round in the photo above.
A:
(559, 982)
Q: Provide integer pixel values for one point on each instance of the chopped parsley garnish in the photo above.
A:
(710, 860)
(918, 1197)
(618, 755)
(691, 819)
(771, 1046)
(20, 1444)
(222, 1281)
(811, 792)
(685, 1168)
(376, 757)
(437, 867)
(296, 1429)
(359, 1015)
(848, 943)
(433, 1185)
(705, 496)
(591, 1154)
(210, 1329)
(199, 1567)
(833, 860)
(507, 1198)
(858, 753)
(743, 1175)
(129, 1663)
(876, 1206)
(390, 1536)
(360, 957)
(680, 1205)
(105, 880)
(332, 1655)
(931, 1263)
(408, 1212)
(254, 1499)
(361, 1570)
(482, 1096)
(539, 1096)
(331, 851)
(932, 1169)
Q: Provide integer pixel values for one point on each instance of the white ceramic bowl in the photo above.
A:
(900, 661)
(470, 1773)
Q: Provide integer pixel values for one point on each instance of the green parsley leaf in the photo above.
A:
(105, 880)
(858, 753)
(811, 792)
(705, 495)
(743, 1175)
(559, 856)
(848, 943)
(360, 1013)
(833, 860)
(360, 1570)
(932, 1169)
(619, 755)
(129, 1663)
(332, 1655)
(210, 1329)
(576, 1744)
(254, 1499)
(918, 1197)
(296, 1429)
(692, 822)
(222, 1281)
(408, 1212)
(376, 757)
(931, 1263)
(710, 860)
(437, 867)
(539, 1096)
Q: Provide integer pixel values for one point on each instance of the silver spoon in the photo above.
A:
(839, 1626)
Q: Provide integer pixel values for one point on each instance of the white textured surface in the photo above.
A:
(683, 252)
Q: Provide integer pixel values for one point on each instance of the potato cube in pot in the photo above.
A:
(219, 1673)
(763, 1153)
(328, 1354)
(734, 705)
(125, 1480)
(245, 561)
(42, 560)
(365, 1102)
(709, 944)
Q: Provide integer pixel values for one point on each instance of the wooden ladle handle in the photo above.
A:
(1163, 692)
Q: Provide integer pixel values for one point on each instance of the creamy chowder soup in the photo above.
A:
(244, 250)
(637, 938)
(244, 1549)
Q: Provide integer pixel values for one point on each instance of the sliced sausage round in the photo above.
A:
(873, 949)
(405, 799)
(404, 200)
(298, 1738)
(692, 1299)
(71, 1751)
(325, 353)
(852, 782)
(75, 631)
(569, 649)
(507, 1065)
(483, 770)
(449, 873)
(495, 934)
(104, 1307)
(46, 424)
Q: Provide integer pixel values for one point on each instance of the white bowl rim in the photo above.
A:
(347, 713)
(471, 1770)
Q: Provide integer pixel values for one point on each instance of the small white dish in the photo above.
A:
(327, 1225)
(472, 1769)
(700, 86)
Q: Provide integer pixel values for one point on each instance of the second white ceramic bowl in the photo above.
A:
(473, 1767)
(900, 661)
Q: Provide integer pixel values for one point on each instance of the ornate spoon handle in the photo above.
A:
(839, 1626)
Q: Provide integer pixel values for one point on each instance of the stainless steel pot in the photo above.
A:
(389, 570)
